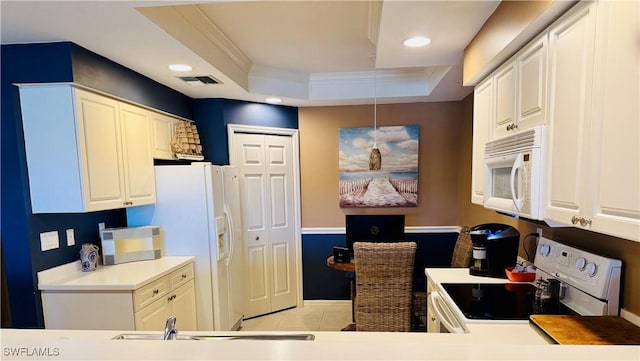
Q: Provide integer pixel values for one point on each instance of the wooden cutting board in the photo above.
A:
(587, 330)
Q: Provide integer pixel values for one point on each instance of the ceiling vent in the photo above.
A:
(200, 79)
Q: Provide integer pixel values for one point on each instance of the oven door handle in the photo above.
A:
(444, 315)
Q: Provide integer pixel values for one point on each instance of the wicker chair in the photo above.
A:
(384, 278)
(463, 249)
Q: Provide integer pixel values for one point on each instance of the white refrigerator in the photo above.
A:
(198, 208)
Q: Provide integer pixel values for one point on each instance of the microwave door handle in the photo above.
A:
(442, 314)
(517, 164)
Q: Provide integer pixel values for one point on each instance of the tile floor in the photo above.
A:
(313, 316)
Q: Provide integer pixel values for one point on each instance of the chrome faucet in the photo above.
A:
(170, 332)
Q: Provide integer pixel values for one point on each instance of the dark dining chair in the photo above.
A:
(384, 280)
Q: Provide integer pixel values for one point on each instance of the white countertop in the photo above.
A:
(458, 275)
(125, 276)
(98, 345)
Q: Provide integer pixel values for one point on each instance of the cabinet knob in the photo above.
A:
(156, 291)
(509, 127)
(257, 238)
(585, 222)
(574, 220)
(184, 276)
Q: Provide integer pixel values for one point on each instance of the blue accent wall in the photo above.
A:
(21, 255)
(323, 283)
(212, 116)
(67, 62)
(100, 73)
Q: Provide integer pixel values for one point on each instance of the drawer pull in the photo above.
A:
(173, 297)
(156, 291)
(184, 276)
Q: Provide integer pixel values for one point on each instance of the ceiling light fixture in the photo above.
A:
(273, 100)
(416, 42)
(180, 67)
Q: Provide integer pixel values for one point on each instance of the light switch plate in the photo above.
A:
(49, 240)
(71, 237)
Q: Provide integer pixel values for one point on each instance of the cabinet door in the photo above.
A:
(482, 113)
(162, 131)
(101, 155)
(570, 67)
(153, 317)
(505, 99)
(614, 150)
(532, 84)
(183, 305)
(137, 160)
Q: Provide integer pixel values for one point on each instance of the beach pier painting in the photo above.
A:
(396, 183)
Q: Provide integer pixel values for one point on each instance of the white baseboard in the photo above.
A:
(327, 303)
(633, 318)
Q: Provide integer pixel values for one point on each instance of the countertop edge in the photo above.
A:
(69, 277)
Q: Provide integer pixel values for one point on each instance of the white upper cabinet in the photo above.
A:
(162, 132)
(504, 82)
(614, 142)
(482, 120)
(139, 175)
(570, 84)
(594, 158)
(85, 152)
(531, 63)
(520, 90)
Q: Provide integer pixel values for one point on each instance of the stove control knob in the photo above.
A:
(591, 269)
(544, 249)
(581, 263)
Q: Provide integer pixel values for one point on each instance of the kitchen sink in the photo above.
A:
(274, 337)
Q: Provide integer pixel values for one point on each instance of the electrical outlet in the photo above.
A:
(71, 237)
(49, 240)
(539, 232)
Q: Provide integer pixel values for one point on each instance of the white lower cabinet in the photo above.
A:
(105, 304)
(179, 303)
(433, 324)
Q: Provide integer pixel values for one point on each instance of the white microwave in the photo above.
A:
(513, 179)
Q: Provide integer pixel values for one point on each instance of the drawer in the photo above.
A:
(181, 276)
(147, 294)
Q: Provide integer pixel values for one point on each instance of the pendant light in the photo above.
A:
(375, 158)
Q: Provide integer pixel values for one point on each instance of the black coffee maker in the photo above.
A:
(495, 247)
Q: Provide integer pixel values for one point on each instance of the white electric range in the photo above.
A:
(589, 285)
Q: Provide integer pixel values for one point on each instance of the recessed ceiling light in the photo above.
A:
(416, 41)
(180, 67)
(273, 100)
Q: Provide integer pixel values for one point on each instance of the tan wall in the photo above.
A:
(444, 179)
(511, 25)
(439, 148)
(470, 214)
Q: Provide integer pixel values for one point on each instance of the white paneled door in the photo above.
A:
(268, 183)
